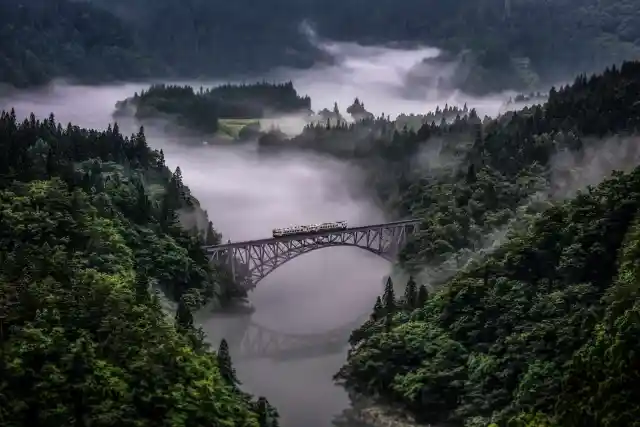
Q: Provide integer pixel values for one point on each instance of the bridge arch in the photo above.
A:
(251, 261)
(269, 268)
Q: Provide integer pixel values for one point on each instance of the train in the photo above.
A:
(310, 229)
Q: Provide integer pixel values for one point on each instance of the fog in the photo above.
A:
(384, 78)
(571, 172)
(246, 195)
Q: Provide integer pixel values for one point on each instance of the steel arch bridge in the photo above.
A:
(260, 342)
(253, 260)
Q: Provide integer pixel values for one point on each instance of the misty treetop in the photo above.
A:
(259, 99)
(496, 44)
(201, 110)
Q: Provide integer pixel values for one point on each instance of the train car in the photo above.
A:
(309, 229)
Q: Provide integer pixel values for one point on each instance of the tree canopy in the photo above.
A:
(89, 247)
(202, 110)
(533, 310)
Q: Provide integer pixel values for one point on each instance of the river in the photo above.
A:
(247, 195)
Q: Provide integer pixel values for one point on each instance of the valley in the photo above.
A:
(513, 301)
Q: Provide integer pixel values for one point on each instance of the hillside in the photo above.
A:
(41, 40)
(496, 44)
(90, 247)
(511, 41)
(533, 310)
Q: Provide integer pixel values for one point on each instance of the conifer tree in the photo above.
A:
(389, 297)
(161, 163)
(211, 237)
(267, 414)
(378, 310)
(227, 371)
(177, 176)
(423, 296)
(143, 210)
(410, 294)
(168, 216)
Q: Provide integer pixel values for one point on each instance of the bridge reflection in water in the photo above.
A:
(249, 340)
(252, 260)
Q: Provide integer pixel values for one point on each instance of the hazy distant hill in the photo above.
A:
(518, 43)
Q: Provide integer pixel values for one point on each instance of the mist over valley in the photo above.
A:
(497, 304)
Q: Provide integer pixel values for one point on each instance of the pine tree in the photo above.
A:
(177, 176)
(423, 296)
(389, 297)
(227, 370)
(143, 205)
(184, 318)
(267, 414)
(378, 310)
(168, 216)
(176, 188)
(161, 163)
(141, 147)
(410, 294)
(211, 237)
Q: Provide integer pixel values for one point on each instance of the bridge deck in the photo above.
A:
(245, 243)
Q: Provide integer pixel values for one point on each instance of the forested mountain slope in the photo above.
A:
(41, 40)
(513, 43)
(552, 40)
(89, 231)
(540, 328)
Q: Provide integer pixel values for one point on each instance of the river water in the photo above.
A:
(246, 195)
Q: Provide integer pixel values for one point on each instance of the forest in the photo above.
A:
(522, 307)
(93, 251)
(202, 110)
(499, 43)
(532, 314)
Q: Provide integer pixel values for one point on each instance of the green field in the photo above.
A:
(230, 128)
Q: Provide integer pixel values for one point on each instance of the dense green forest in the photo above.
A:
(497, 43)
(533, 316)
(44, 39)
(90, 246)
(202, 110)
